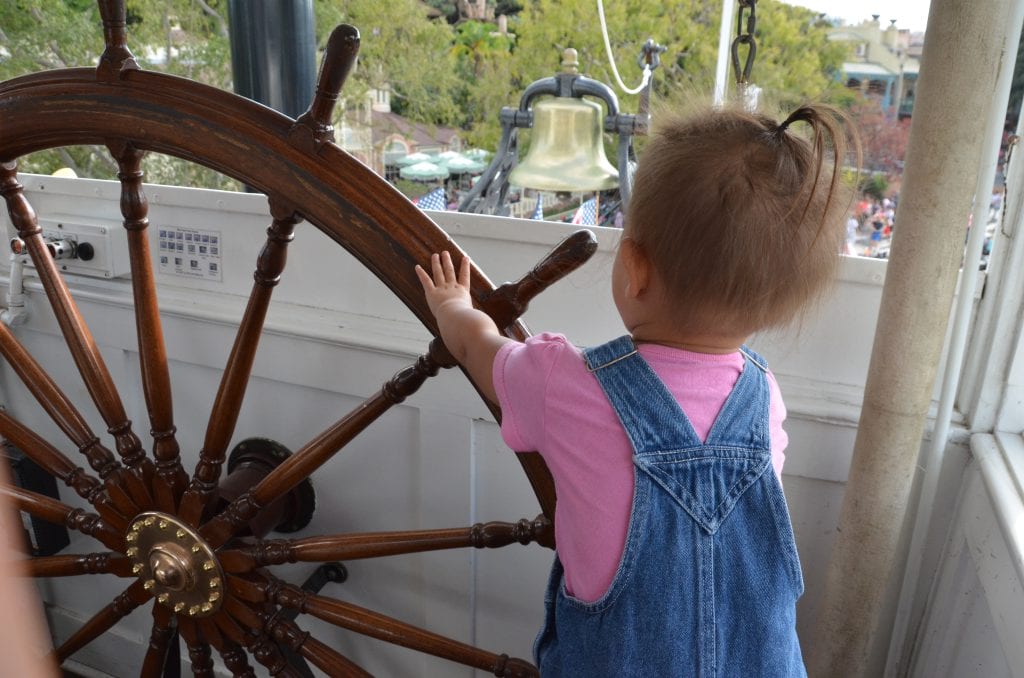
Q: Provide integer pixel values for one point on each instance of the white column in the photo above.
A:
(724, 51)
(961, 59)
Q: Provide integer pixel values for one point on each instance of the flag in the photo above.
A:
(538, 211)
(586, 214)
(434, 200)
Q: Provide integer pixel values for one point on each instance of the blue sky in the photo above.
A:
(912, 14)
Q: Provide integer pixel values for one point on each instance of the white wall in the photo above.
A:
(334, 335)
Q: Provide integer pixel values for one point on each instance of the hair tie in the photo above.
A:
(803, 113)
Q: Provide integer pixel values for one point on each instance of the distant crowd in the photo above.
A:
(869, 227)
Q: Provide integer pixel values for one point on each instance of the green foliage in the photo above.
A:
(875, 185)
(507, 7)
(795, 61)
(449, 9)
(400, 49)
(483, 57)
(174, 36)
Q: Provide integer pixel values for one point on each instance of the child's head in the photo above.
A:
(740, 216)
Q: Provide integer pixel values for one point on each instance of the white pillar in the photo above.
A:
(724, 51)
(962, 55)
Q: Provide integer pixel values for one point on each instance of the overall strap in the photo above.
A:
(649, 413)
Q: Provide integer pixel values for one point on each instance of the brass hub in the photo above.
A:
(175, 564)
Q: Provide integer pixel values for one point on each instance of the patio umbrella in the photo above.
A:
(412, 159)
(463, 165)
(444, 157)
(477, 154)
(423, 171)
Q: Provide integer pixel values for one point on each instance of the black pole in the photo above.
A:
(273, 52)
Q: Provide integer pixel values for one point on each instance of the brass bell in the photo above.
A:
(566, 151)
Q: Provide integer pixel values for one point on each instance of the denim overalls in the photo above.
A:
(709, 579)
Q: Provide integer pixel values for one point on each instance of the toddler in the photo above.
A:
(675, 554)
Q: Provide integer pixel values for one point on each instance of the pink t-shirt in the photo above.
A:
(551, 403)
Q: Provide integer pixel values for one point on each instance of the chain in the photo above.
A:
(743, 75)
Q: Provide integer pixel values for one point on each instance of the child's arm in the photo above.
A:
(470, 334)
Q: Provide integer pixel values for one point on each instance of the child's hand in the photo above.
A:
(446, 290)
(469, 333)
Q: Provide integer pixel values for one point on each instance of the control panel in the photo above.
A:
(94, 249)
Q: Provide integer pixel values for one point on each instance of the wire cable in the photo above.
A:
(611, 58)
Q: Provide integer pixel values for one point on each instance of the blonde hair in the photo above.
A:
(742, 218)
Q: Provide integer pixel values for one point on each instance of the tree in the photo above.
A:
(883, 137)
(401, 50)
(183, 37)
(483, 57)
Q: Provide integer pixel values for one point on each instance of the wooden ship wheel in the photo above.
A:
(193, 547)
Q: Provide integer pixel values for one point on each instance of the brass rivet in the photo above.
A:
(163, 524)
(148, 584)
(136, 568)
(137, 526)
(132, 552)
(214, 582)
(163, 597)
(215, 596)
(196, 548)
(180, 533)
(131, 536)
(178, 607)
(149, 521)
(193, 611)
(206, 607)
(209, 565)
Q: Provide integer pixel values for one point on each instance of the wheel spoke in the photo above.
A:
(259, 644)
(159, 642)
(156, 383)
(198, 649)
(229, 628)
(103, 620)
(328, 548)
(382, 627)
(314, 128)
(273, 630)
(315, 453)
(59, 513)
(232, 653)
(68, 419)
(116, 57)
(72, 565)
(510, 301)
(331, 662)
(228, 402)
(59, 466)
(243, 616)
(76, 334)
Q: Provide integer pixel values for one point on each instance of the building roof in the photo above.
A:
(865, 68)
(386, 123)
